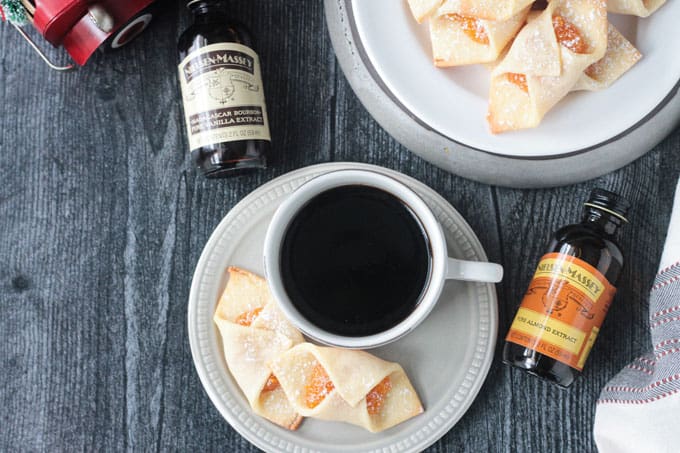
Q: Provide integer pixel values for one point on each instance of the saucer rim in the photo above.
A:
(434, 423)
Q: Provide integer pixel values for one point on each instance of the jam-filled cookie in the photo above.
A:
(545, 62)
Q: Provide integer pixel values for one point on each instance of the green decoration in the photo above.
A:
(14, 11)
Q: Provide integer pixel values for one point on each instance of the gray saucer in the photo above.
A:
(446, 358)
(481, 165)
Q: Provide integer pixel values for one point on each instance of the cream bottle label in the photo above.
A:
(223, 95)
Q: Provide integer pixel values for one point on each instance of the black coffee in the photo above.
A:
(355, 261)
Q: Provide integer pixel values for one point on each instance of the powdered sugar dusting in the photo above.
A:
(621, 55)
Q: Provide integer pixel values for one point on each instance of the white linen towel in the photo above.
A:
(639, 410)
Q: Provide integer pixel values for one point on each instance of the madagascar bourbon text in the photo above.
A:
(223, 95)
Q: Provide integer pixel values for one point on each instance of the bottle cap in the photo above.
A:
(193, 2)
(609, 202)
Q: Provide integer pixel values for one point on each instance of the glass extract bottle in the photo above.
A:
(222, 93)
(568, 298)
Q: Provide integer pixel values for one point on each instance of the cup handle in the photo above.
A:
(474, 271)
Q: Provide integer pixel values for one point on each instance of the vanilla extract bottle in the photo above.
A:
(222, 93)
(568, 298)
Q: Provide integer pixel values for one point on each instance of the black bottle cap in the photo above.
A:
(609, 202)
(191, 3)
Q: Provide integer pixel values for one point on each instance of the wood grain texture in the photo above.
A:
(103, 218)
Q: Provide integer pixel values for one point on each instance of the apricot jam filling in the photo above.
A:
(593, 71)
(319, 385)
(472, 27)
(568, 35)
(518, 79)
(271, 385)
(247, 318)
(376, 397)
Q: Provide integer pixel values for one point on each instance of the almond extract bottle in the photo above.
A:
(568, 298)
(222, 93)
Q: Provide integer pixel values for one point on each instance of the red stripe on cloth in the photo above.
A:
(665, 353)
(665, 312)
(644, 401)
(2, 13)
(666, 343)
(665, 283)
(625, 388)
(639, 368)
(666, 269)
(665, 321)
(647, 361)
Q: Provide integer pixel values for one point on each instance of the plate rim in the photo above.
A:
(368, 63)
(493, 169)
(479, 371)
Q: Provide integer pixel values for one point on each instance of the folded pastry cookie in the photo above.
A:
(545, 62)
(421, 9)
(621, 55)
(642, 8)
(255, 332)
(497, 10)
(346, 385)
(461, 39)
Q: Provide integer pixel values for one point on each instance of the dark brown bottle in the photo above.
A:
(222, 93)
(568, 298)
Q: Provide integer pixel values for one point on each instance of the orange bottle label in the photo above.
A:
(563, 309)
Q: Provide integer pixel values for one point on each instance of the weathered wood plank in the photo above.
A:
(104, 223)
(103, 218)
(299, 70)
(359, 138)
(540, 417)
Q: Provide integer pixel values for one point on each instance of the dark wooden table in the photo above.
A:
(103, 218)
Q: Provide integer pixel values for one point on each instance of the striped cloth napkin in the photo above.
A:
(639, 410)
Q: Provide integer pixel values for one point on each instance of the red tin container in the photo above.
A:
(83, 26)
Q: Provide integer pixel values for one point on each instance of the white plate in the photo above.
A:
(453, 101)
(447, 357)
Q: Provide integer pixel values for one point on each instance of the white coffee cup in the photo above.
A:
(442, 266)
